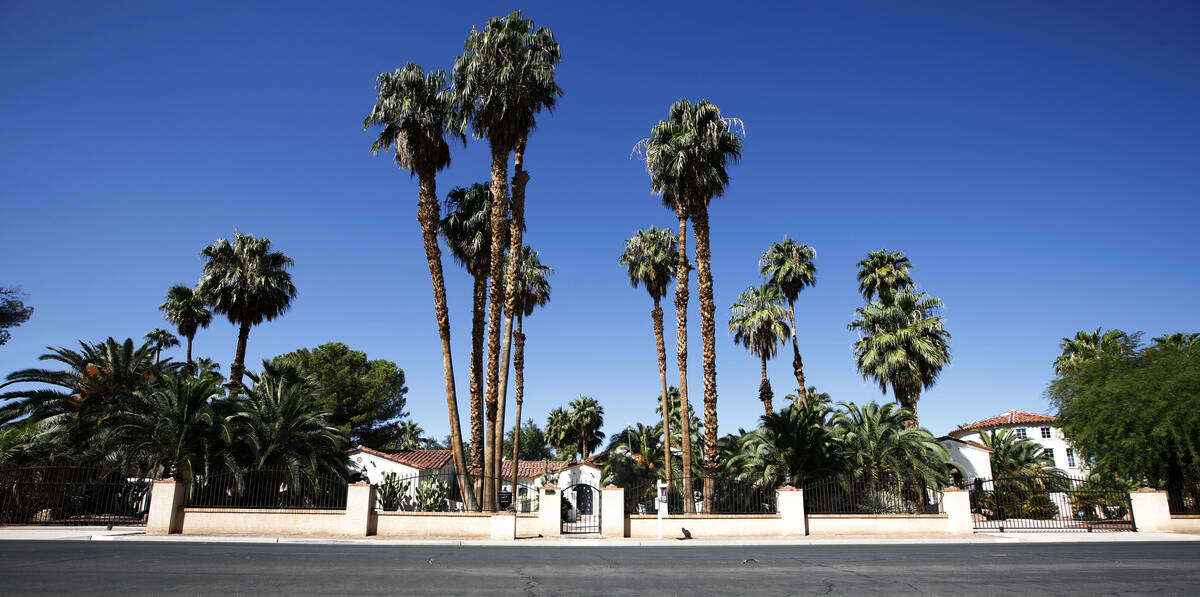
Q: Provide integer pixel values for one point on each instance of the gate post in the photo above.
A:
(789, 502)
(1150, 509)
(956, 503)
(550, 512)
(360, 509)
(612, 512)
(166, 507)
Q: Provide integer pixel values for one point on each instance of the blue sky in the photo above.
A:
(1038, 162)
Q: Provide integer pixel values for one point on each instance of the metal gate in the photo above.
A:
(72, 496)
(1049, 502)
(581, 509)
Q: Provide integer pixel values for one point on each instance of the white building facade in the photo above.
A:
(1043, 430)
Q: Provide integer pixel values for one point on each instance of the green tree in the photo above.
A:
(1013, 456)
(1086, 346)
(587, 417)
(903, 344)
(532, 291)
(503, 79)
(883, 273)
(789, 266)
(416, 112)
(248, 283)
(759, 322)
(689, 464)
(185, 308)
(365, 397)
(13, 312)
(561, 434)
(533, 442)
(686, 155)
(1178, 339)
(635, 456)
(466, 227)
(1135, 415)
(791, 447)
(161, 339)
(409, 436)
(649, 259)
(882, 442)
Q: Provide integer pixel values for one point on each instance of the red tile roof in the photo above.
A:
(1012, 417)
(421, 459)
(529, 469)
(961, 441)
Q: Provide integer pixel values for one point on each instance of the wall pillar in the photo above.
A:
(612, 512)
(1151, 512)
(956, 503)
(166, 507)
(504, 526)
(360, 509)
(789, 502)
(550, 512)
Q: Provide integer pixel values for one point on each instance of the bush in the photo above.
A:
(1039, 506)
(431, 496)
(391, 491)
(998, 505)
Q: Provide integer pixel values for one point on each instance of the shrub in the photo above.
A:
(998, 505)
(391, 491)
(431, 496)
(1039, 506)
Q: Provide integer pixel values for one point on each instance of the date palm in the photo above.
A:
(687, 156)
(789, 266)
(248, 283)
(882, 273)
(882, 442)
(188, 311)
(759, 322)
(649, 259)
(416, 112)
(1178, 340)
(902, 344)
(635, 456)
(1013, 456)
(503, 79)
(791, 447)
(532, 291)
(161, 339)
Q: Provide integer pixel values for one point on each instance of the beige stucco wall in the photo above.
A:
(644, 526)
(421, 525)
(853, 524)
(527, 525)
(222, 521)
(1184, 524)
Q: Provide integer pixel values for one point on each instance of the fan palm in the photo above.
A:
(248, 283)
(532, 291)
(503, 79)
(902, 344)
(409, 436)
(759, 322)
(650, 259)
(416, 113)
(1086, 346)
(587, 417)
(789, 267)
(559, 432)
(686, 155)
(883, 273)
(161, 339)
(1178, 340)
(186, 309)
(883, 443)
(791, 447)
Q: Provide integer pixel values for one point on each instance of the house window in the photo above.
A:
(1049, 453)
(1045, 433)
(1070, 457)
(1021, 433)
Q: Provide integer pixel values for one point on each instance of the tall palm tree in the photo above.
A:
(416, 113)
(882, 442)
(650, 261)
(902, 345)
(789, 266)
(882, 273)
(689, 464)
(759, 322)
(467, 230)
(504, 78)
(559, 432)
(533, 291)
(1087, 346)
(686, 155)
(587, 417)
(186, 309)
(161, 339)
(248, 283)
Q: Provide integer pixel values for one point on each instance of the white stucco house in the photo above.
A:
(967, 461)
(1039, 428)
(411, 466)
(533, 474)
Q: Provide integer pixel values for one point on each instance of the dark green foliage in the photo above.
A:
(1039, 506)
(13, 312)
(533, 442)
(791, 447)
(365, 398)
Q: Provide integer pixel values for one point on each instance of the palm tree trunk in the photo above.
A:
(239, 357)
(478, 325)
(764, 389)
(797, 362)
(499, 218)
(682, 273)
(427, 215)
(657, 315)
(519, 367)
(708, 332)
(191, 367)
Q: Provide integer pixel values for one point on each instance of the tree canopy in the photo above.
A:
(13, 312)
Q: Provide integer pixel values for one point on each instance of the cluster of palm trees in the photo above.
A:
(575, 431)
(499, 84)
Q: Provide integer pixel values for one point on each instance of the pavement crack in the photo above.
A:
(531, 583)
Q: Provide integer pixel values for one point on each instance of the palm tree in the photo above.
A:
(791, 447)
(1087, 346)
(503, 79)
(532, 291)
(690, 464)
(1013, 456)
(173, 431)
(248, 283)
(466, 228)
(650, 260)
(902, 344)
(161, 339)
(882, 273)
(759, 322)
(559, 432)
(883, 443)
(587, 417)
(687, 155)
(814, 396)
(409, 436)
(186, 309)
(205, 367)
(1178, 340)
(416, 112)
(635, 456)
(789, 267)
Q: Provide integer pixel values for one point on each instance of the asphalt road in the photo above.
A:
(124, 568)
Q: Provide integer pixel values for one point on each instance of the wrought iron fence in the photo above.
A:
(858, 496)
(269, 489)
(441, 492)
(1184, 498)
(73, 496)
(1050, 502)
(708, 495)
